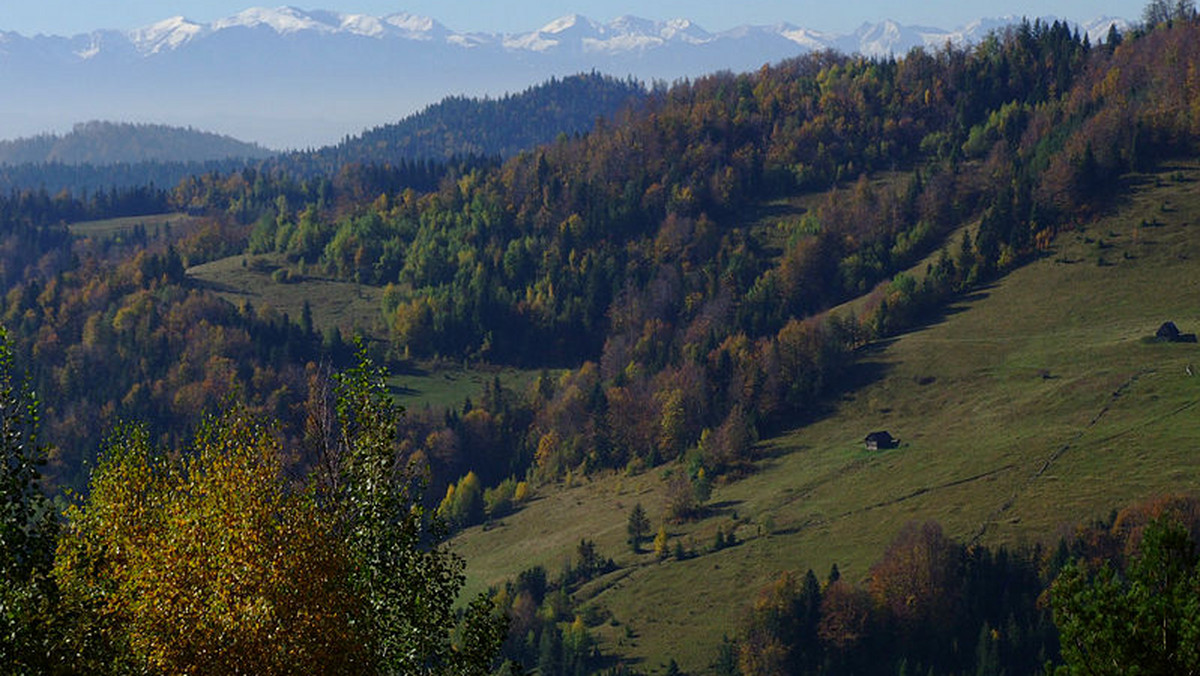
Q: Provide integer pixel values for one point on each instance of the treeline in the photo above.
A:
(253, 194)
(82, 180)
(932, 605)
(37, 208)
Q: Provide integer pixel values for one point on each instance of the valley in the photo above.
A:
(840, 365)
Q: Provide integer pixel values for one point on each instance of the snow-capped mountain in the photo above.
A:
(287, 77)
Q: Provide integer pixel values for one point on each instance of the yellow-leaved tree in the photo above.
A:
(210, 560)
(208, 564)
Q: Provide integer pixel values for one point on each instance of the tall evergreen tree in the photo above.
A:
(638, 527)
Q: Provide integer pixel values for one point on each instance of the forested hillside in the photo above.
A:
(459, 126)
(53, 178)
(674, 275)
(106, 143)
(629, 250)
(98, 156)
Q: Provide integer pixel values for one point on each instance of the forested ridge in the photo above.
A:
(105, 156)
(458, 126)
(102, 143)
(636, 261)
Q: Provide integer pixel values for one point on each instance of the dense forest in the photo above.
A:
(672, 321)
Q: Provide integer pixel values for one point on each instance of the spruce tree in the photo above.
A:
(638, 527)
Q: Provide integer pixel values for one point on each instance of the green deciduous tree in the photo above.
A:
(464, 502)
(409, 584)
(1145, 620)
(28, 529)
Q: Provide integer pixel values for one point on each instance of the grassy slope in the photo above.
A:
(441, 386)
(1034, 404)
(334, 303)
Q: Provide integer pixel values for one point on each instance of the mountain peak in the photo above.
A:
(282, 20)
(565, 23)
(166, 34)
(362, 24)
(416, 27)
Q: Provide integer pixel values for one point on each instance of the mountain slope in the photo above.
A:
(102, 143)
(1021, 413)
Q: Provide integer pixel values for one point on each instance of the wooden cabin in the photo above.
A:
(878, 441)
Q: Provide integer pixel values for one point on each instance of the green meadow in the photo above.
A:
(347, 306)
(115, 227)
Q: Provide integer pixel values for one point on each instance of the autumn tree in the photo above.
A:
(681, 501)
(1162, 11)
(919, 581)
(660, 542)
(781, 634)
(210, 558)
(848, 619)
(175, 566)
(463, 504)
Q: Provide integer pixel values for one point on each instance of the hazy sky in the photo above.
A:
(68, 17)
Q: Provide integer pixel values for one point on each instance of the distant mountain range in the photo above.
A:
(292, 78)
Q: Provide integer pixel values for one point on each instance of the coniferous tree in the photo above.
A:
(638, 527)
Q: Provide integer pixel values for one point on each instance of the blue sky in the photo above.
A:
(68, 17)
